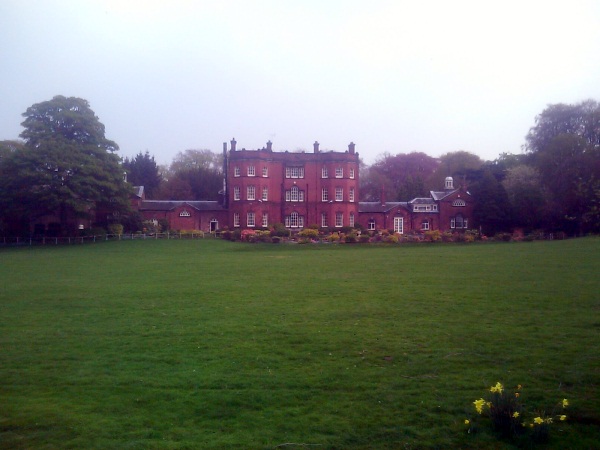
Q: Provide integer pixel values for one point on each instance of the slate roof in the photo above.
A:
(378, 207)
(422, 201)
(168, 205)
(138, 191)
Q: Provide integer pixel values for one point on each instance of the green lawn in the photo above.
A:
(214, 344)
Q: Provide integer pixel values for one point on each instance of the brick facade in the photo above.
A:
(300, 189)
(296, 189)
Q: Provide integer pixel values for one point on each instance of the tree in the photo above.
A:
(401, 177)
(528, 201)
(142, 170)
(67, 166)
(460, 165)
(491, 212)
(564, 145)
(194, 175)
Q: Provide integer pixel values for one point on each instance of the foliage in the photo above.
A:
(565, 148)
(193, 175)
(433, 235)
(492, 211)
(142, 170)
(309, 233)
(508, 416)
(66, 167)
(401, 177)
(115, 228)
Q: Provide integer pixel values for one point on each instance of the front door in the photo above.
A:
(214, 225)
(399, 225)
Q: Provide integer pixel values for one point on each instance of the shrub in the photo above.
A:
(280, 230)
(351, 238)
(309, 233)
(333, 237)
(433, 236)
(115, 228)
(364, 238)
(390, 239)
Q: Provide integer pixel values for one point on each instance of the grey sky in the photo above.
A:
(391, 76)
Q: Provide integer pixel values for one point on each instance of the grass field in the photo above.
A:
(214, 344)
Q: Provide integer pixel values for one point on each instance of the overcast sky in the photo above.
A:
(391, 76)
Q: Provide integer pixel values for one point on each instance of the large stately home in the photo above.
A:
(300, 189)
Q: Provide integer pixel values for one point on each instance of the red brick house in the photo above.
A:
(300, 189)
(297, 189)
(447, 210)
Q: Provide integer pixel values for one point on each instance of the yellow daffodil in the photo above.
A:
(549, 420)
(519, 387)
(538, 420)
(515, 414)
(479, 405)
(517, 394)
(498, 388)
(467, 422)
(565, 402)
(563, 417)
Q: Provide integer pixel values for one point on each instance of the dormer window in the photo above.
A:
(184, 213)
(459, 202)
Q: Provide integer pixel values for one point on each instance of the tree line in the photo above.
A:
(64, 163)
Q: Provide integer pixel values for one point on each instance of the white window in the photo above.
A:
(459, 202)
(184, 213)
(294, 220)
(265, 220)
(236, 172)
(236, 219)
(265, 171)
(351, 220)
(339, 172)
(265, 193)
(251, 171)
(324, 173)
(339, 219)
(294, 195)
(351, 194)
(371, 224)
(250, 193)
(339, 194)
(458, 222)
(324, 195)
(434, 208)
(324, 220)
(352, 172)
(425, 225)
(294, 172)
(250, 219)
(399, 225)
(236, 192)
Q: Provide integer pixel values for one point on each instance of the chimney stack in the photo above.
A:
(316, 147)
(351, 148)
(233, 145)
(269, 146)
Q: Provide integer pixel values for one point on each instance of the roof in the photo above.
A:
(168, 205)
(138, 191)
(378, 207)
(422, 200)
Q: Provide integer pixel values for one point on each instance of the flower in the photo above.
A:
(565, 402)
(467, 422)
(519, 387)
(515, 414)
(563, 418)
(517, 394)
(498, 388)
(538, 420)
(479, 405)
(549, 420)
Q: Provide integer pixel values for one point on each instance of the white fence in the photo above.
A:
(42, 240)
